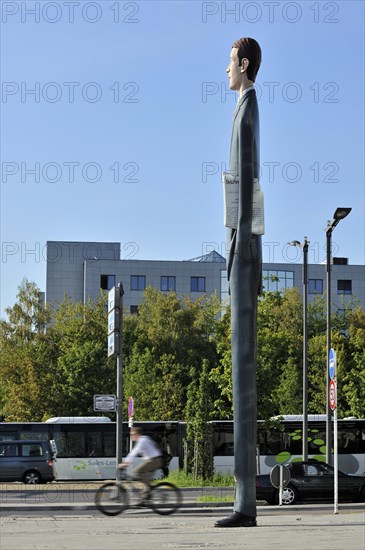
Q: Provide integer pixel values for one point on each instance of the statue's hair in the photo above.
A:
(248, 48)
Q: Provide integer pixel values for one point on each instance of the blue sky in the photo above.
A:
(129, 124)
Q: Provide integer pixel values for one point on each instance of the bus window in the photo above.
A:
(29, 431)
(223, 439)
(70, 441)
(8, 436)
(348, 441)
(109, 444)
(273, 443)
(94, 443)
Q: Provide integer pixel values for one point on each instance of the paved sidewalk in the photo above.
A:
(141, 531)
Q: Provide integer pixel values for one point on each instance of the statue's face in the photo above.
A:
(234, 71)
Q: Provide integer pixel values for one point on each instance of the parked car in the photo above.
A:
(311, 480)
(26, 460)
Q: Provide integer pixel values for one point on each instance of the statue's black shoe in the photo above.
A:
(236, 520)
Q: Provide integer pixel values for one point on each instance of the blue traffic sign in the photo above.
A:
(332, 363)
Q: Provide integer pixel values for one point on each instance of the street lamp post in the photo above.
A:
(339, 215)
(305, 345)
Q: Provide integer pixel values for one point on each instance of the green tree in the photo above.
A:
(198, 412)
(79, 333)
(279, 343)
(26, 358)
(156, 386)
(353, 384)
(176, 353)
(172, 337)
(221, 374)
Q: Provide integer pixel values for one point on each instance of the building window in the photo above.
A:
(197, 284)
(315, 286)
(134, 310)
(274, 280)
(344, 286)
(168, 283)
(138, 282)
(107, 282)
(224, 285)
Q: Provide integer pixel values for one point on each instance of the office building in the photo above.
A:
(82, 270)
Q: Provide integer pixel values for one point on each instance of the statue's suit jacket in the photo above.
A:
(244, 273)
(245, 161)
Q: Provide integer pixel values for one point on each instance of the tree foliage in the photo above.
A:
(198, 434)
(25, 357)
(53, 372)
(176, 359)
(172, 338)
(82, 369)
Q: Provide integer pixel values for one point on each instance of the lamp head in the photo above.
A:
(341, 213)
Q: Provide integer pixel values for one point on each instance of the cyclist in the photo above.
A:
(149, 450)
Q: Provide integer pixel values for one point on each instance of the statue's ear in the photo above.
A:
(244, 64)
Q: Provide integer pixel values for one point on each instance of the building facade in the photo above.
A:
(83, 270)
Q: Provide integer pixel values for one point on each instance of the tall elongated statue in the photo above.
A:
(244, 274)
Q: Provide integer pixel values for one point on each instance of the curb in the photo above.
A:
(184, 508)
(200, 507)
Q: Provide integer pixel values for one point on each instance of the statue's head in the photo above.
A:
(245, 62)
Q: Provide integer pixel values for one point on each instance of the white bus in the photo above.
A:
(86, 446)
(283, 443)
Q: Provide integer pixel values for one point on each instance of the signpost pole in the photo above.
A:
(115, 329)
(328, 410)
(120, 380)
(335, 440)
(279, 478)
(130, 420)
(335, 463)
(305, 349)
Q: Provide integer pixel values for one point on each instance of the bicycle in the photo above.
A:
(115, 497)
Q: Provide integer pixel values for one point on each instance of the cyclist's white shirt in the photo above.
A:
(145, 447)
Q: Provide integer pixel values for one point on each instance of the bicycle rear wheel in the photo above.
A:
(165, 498)
(111, 499)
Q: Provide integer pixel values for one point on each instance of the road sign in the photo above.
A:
(115, 303)
(275, 475)
(332, 363)
(104, 403)
(113, 344)
(113, 320)
(114, 297)
(333, 395)
(130, 406)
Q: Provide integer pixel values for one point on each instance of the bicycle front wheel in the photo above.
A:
(111, 499)
(165, 498)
